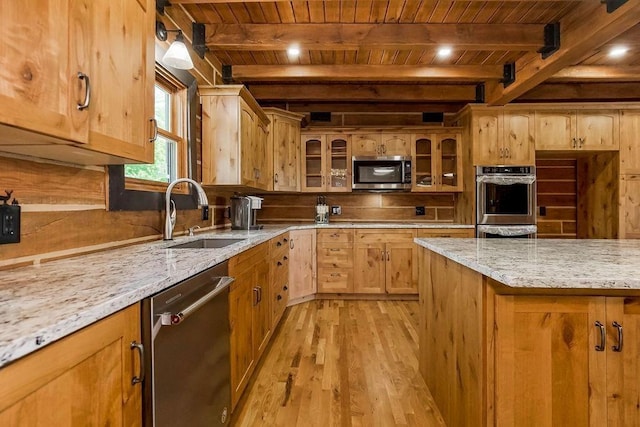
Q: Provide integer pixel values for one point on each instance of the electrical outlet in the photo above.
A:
(419, 210)
(336, 210)
(9, 224)
(205, 213)
(543, 211)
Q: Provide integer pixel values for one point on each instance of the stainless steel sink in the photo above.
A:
(206, 244)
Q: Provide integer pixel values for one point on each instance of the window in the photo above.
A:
(170, 151)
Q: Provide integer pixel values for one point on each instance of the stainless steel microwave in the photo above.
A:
(381, 173)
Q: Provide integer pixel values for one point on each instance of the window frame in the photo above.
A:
(122, 198)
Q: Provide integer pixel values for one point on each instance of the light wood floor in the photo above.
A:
(341, 363)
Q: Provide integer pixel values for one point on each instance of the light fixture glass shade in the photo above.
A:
(178, 56)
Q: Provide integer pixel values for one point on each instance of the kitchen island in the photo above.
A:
(531, 332)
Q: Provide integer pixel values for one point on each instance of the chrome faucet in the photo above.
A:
(170, 206)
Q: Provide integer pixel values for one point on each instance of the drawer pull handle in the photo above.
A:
(334, 250)
(279, 244)
(603, 336)
(285, 258)
(285, 288)
(618, 346)
(291, 244)
(279, 263)
(335, 274)
(285, 240)
(140, 348)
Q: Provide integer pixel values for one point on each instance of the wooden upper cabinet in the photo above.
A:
(284, 135)
(107, 46)
(590, 130)
(519, 138)
(398, 144)
(629, 142)
(366, 144)
(437, 162)
(235, 143)
(326, 163)
(487, 135)
(313, 149)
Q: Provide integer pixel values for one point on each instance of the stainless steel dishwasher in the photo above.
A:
(186, 329)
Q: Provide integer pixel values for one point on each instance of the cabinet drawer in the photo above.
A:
(248, 259)
(335, 257)
(341, 236)
(279, 245)
(384, 236)
(331, 280)
(447, 232)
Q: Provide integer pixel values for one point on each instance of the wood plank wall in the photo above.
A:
(360, 207)
(557, 192)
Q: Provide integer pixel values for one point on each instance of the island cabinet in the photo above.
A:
(302, 265)
(83, 379)
(381, 144)
(499, 356)
(284, 137)
(385, 262)
(65, 93)
(249, 315)
(335, 260)
(279, 274)
(235, 144)
(437, 162)
(585, 130)
(326, 163)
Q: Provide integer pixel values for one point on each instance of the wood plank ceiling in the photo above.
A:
(359, 52)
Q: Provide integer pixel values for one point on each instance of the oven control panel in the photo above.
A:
(499, 170)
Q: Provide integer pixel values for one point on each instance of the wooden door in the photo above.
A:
(43, 49)
(261, 319)
(555, 130)
(598, 130)
(425, 162)
(547, 371)
(241, 298)
(401, 271)
(486, 134)
(248, 132)
(449, 162)
(629, 144)
(286, 148)
(122, 84)
(338, 168)
(396, 144)
(368, 268)
(302, 263)
(83, 379)
(623, 367)
(366, 145)
(313, 176)
(519, 138)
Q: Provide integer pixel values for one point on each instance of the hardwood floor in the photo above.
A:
(341, 363)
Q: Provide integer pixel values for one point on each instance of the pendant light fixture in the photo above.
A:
(177, 56)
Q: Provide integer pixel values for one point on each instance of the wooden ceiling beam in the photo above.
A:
(294, 1)
(363, 92)
(523, 37)
(398, 73)
(597, 73)
(583, 92)
(583, 30)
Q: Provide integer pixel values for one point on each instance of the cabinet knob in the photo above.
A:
(580, 142)
(275, 178)
(573, 142)
(279, 297)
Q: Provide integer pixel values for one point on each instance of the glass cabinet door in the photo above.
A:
(313, 173)
(424, 163)
(339, 163)
(450, 162)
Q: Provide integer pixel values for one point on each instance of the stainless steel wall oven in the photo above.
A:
(506, 198)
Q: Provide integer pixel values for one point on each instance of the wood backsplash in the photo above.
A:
(360, 207)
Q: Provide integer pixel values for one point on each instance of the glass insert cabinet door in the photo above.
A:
(339, 163)
(326, 163)
(437, 162)
(313, 162)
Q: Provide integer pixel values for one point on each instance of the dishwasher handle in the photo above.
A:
(172, 319)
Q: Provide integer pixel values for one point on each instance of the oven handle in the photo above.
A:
(172, 319)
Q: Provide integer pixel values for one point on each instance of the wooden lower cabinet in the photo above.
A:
(83, 379)
(279, 273)
(527, 360)
(249, 315)
(385, 261)
(335, 260)
(302, 264)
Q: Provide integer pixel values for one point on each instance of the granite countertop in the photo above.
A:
(547, 263)
(43, 303)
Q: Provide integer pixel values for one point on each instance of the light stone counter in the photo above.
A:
(41, 304)
(598, 265)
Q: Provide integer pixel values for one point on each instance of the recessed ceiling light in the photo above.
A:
(618, 51)
(445, 51)
(293, 51)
